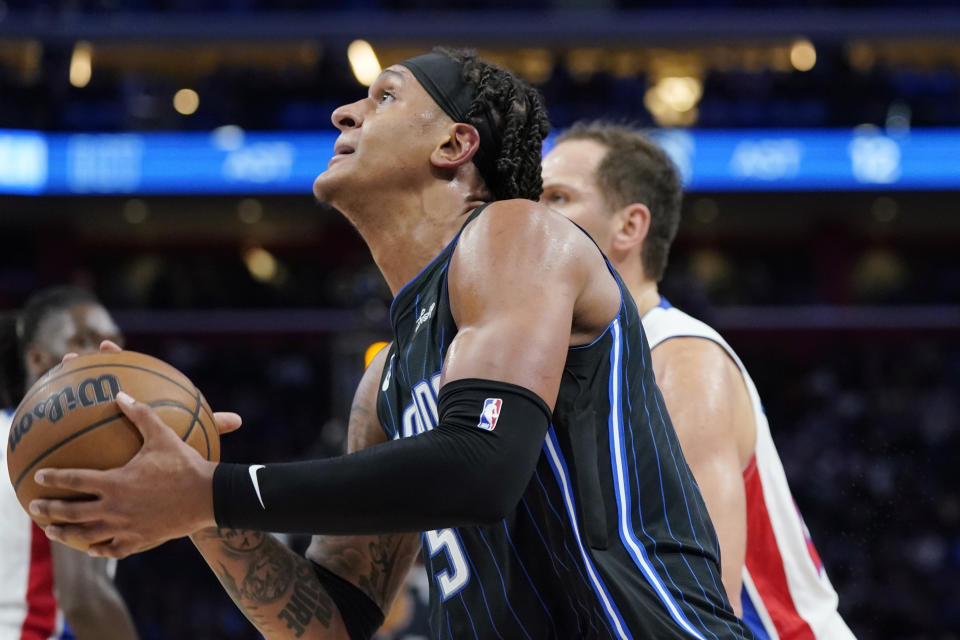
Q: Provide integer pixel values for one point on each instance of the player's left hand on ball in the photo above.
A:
(226, 421)
(164, 492)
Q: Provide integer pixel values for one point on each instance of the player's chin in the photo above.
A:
(323, 186)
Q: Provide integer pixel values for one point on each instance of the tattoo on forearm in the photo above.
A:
(371, 569)
(308, 601)
(256, 617)
(269, 574)
(240, 540)
(383, 558)
(228, 583)
(270, 566)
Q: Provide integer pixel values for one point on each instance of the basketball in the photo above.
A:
(70, 419)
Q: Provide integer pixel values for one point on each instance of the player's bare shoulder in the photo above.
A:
(523, 245)
(682, 357)
(525, 225)
(701, 375)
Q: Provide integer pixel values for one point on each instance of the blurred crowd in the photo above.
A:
(516, 5)
(868, 435)
(838, 266)
(832, 94)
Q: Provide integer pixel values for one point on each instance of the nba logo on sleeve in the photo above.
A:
(490, 413)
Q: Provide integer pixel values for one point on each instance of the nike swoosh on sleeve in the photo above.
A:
(256, 485)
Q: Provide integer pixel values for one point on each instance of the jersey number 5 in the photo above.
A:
(456, 578)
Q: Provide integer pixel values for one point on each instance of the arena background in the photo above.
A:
(819, 140)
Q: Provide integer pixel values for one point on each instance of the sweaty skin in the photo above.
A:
(703, 389)
(538, 270)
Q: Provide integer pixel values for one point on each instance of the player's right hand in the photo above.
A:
(226, 421)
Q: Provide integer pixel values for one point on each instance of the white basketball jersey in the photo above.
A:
(786, 593)
(28, 608)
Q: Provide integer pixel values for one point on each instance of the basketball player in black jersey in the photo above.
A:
(513, 429)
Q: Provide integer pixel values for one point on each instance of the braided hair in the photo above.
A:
(18, 332)
(520, 119)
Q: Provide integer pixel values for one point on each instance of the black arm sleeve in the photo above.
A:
(456, 474)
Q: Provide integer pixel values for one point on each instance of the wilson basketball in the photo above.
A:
(70, 418)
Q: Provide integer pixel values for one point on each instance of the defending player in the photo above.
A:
(47, 590)
(514, 420)
(623, 190)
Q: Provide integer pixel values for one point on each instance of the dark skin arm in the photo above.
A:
(88, 597)
(520, 266)
(278, 590)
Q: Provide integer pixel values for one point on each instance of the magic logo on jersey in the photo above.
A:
(490, 413)
(421, 413)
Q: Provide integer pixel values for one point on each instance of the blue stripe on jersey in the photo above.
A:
(506, 596)
(555, 458)
(660, 560)
(664, 303)
(693, 532)
(686, 503)
(483, 594)
(622, 489)
(751, 618)
(553, 561)
(523, 568)
(661, 408)
(466, 610)
(573, 559)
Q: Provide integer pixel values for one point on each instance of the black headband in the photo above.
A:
(441, 76)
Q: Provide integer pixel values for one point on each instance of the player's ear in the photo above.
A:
(458, 147)
(632, 223)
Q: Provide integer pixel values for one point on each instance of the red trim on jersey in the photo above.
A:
(765, 564)
(41, 619)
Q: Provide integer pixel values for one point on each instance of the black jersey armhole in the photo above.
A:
(381, 393)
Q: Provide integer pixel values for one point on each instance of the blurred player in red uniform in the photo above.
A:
(47, 590)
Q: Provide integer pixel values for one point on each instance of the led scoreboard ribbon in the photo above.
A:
(229, 160)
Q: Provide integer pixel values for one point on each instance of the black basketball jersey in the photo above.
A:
(611, 538)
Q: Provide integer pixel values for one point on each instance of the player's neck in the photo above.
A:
(412, 230)
(643, 291)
